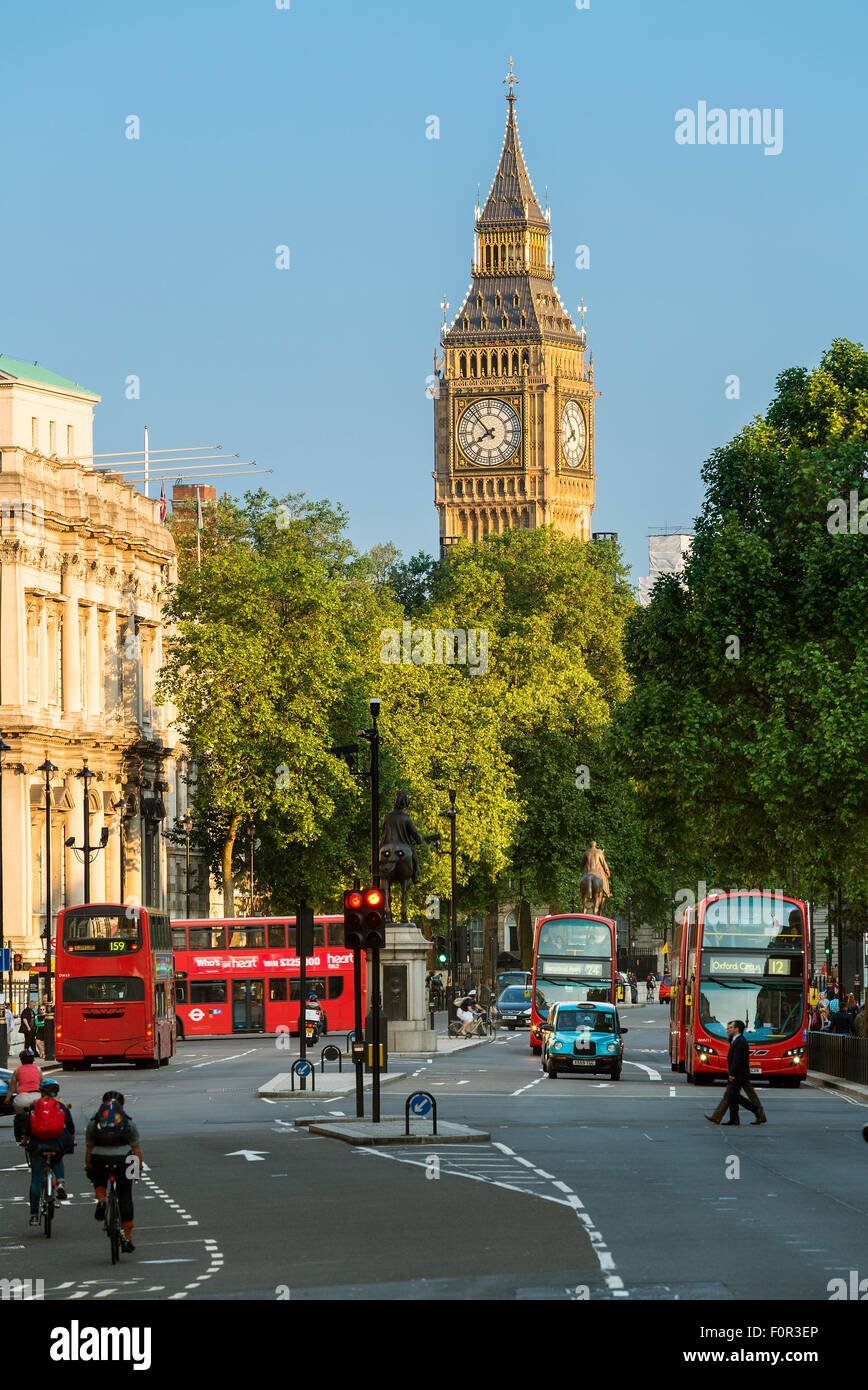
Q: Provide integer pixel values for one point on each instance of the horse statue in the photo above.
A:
(594, 887)
(398, 860)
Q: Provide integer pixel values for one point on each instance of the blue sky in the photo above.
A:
(306, 127)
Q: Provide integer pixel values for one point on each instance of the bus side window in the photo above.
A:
(160, 1000)
(180, 990)
(318, 934)
(179, 938)
(336, 986)
(277, 991)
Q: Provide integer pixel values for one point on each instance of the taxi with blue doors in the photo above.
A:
(583, 1038)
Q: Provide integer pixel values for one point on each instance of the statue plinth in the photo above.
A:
(402, 988)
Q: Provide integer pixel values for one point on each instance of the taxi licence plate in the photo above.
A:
(583, 1062)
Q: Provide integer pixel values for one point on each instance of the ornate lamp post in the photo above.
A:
(87, 851)
(186, 824)
(48, 767)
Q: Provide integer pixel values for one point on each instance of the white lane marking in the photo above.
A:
(654, 1075)
(503, 1148)
(672, 1091)
(233, 1057)
(562, 1187)
(462, 1083)
(526, 1161)
(184, 1261)
(528, 1086)
(267, 1101)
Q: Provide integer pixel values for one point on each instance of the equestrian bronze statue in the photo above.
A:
(399, 862)
(594, 887)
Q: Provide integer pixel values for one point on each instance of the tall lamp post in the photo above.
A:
(459, 951)
(4, 1041)
(87, 851)
(187, 826)
(48, 767)
(251, 835)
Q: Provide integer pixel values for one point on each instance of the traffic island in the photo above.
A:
(366, 1134)
(328, 1086)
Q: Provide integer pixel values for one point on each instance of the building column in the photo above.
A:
(42, 654)
(112, 666)
(17, 859)
(13, 634)
(93, 692)
(71, 646)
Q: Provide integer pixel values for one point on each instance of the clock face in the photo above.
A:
(489, 432)
(574, 433)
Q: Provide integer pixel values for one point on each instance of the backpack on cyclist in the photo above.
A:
(114, 1128)
(47, 1119)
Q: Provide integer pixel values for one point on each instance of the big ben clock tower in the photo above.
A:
(514, 396)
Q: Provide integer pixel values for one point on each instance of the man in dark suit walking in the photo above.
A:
(738, 1073)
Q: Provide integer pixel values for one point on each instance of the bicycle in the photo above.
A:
(47, 1198)
(482, 1027)
(112, 1222)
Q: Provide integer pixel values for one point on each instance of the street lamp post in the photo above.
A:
(459, 950)
(87, 851)
(48, 767)
(4, 1041)
(187, 826)
(251, 834)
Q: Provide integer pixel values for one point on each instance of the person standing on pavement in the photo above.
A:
(28, 1029)
(738, 1074)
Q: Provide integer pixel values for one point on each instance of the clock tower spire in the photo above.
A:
(514, 404)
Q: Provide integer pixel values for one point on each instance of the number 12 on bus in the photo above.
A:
(574, 960)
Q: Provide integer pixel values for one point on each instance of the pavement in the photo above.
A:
(586, 1188)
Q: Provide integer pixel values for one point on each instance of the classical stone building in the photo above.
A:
(514, 395)
(84, 567)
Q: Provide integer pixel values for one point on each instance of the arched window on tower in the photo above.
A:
(465, 323)
(484, 321)
(488, 258)
(494, 258)
(524, 320)
(515, 301)
(473, 371)
(503, 254)
(494, 364)
(525, 358)
(515, 363)
(484, 363)
(462, 364)
(479, 301)
(498, 300)
(504, 363)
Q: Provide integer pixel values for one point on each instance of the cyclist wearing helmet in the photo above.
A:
(38, 1143)
(111, 1139)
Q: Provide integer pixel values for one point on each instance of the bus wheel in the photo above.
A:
(690, 1078)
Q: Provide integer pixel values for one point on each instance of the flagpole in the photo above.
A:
(147, 460)
(198, 532)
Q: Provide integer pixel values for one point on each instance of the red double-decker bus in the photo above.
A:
(243, 975)
(743, 956)
(573, 960)
(115, 999)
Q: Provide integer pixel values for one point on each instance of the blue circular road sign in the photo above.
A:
(302, 1067)
(420, 1105)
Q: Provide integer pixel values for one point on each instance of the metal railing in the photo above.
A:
(836, 1054)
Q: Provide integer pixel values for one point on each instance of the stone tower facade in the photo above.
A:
(513, 392)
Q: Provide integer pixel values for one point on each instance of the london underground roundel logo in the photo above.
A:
(197, 1015)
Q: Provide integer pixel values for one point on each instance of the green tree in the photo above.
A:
(747, 725)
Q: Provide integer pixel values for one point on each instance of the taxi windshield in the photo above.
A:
(576, 1020)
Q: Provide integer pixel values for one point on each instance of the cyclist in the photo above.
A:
(111, 1138)
(467, 1012)
(50, 1128)
(23, 1089)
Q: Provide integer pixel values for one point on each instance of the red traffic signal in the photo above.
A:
(375, 919)
(353, 929)
(352, 900)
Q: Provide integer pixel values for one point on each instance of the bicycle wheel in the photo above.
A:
(113, 1224)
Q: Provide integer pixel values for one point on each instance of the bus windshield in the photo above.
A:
(107, 931)
(753, 921)
(770, 1010)
(575, 938)
(571, 991)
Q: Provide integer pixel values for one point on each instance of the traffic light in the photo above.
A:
(441, 951)
(375, 919)
(353, 926)
(17, 961)
(828, 947)
(364, 919)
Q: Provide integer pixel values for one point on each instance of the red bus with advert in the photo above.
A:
(243, 975)
(743, 956)
(115, 999)
(573, 962)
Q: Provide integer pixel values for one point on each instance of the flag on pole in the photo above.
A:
(199, 522)
(163, 501)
